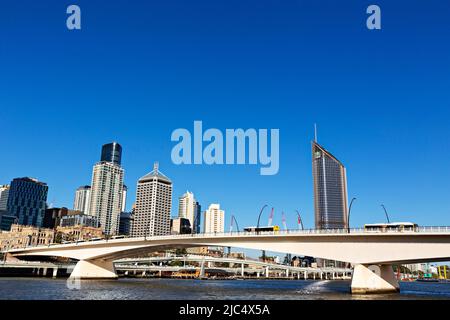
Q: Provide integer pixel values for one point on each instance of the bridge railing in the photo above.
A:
(425, 229)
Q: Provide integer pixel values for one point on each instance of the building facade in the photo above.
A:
(180, 226)
(77, 233)
(124, 198)
(4, 193)
(27, 201)
(107, 189)
(330, 190)
(126, 223)
(6, 220)
(189, 208)
(112, 152)
(82, 199)
(214, 219)
(23, 236)
(153, 205)
(79, 219)
(53, 216)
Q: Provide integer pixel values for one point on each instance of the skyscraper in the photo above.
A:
(330, 190)
(190, 209)
(27, 200)
(4, 193)
(153, 205)
(107, 189)
(214, 219)
(198, 217)
(112, 152)
(82, 199)
(124, 198)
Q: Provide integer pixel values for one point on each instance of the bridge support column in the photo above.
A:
(242, 270)
(55, 272)
(374, 279)
(94, 269)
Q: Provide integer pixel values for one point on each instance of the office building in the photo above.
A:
(197, 217)
(79, 219)
(53, 216)
(126, 223)
(190, 209)
(112, 153)
(214, 219)
(27, 201)
(330, 190)
(180, 226)
(153, 205)
(6, 220)
(4, 193)
(124, 198)
(82, 199)
(107, 189)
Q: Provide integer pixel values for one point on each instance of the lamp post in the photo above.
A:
(348, 216)
(385, 212)
(259, 217)
(233, 218)
(300, 219)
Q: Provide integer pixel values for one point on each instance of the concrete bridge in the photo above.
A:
(261, 268)
(371, 253)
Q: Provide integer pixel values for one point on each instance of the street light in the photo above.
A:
(348, 216)
(300, 219)
(259, 217)
(385, 212)
(233, 218)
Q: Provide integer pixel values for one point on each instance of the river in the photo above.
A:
(173, 289)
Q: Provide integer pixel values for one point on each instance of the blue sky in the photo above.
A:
(137, 71)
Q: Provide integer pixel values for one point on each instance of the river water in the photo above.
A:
(174, 289)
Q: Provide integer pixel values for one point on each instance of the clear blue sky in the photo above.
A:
(138, 70)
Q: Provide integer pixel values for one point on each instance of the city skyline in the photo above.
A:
(287, 67)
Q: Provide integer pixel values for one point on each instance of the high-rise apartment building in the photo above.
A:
(153, 205)
(4, 193)
(330, 190)
(189, 208)
(82, 199)
(107, 189)
(214, 219)
(27, 201)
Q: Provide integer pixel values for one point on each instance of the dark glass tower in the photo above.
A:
(112, 152)
(27, 200)
(330, 190)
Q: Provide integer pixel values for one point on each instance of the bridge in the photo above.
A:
(372, 253)
(254, 266)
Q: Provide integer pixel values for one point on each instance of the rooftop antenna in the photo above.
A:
(156, 166)
(315, 132)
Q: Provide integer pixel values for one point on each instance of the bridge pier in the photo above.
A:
(94, 269)
(374, 279)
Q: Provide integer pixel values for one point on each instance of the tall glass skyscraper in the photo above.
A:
(330, 190)
(27, 200)
(107, 189)
(112, 152)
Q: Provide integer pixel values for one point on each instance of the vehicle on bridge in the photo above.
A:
(396, 226)
(262, 229)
